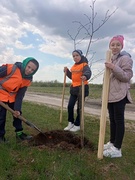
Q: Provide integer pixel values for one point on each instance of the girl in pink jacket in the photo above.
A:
(121, 74)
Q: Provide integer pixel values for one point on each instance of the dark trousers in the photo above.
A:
(72, 100)
(117, 126)
(17, 123)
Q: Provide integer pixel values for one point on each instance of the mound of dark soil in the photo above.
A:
(61, 139)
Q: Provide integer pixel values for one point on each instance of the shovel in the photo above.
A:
(20, 117)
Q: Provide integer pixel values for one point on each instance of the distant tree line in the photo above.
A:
(56, 83)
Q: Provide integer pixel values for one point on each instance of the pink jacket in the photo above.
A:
(120, 78)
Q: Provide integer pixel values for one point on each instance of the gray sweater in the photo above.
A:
(120, 78)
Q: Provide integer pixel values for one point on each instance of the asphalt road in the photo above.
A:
(92, 107)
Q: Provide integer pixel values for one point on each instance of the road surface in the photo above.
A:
(92, 107)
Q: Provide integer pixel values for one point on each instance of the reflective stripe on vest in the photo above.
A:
(6, 78)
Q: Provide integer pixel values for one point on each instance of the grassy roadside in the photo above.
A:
(95, 91)
(22, 162)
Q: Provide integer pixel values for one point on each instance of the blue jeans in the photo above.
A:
(17, 123)
(117, 126)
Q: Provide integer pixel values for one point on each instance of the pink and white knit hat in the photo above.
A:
(119, 38)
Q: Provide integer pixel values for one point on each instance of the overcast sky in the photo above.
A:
(39, 29)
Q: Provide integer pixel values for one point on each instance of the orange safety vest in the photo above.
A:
(10, 84)
(77, 72)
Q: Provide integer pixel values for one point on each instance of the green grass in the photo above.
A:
(19, 161)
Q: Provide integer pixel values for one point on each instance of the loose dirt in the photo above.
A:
(61, 139)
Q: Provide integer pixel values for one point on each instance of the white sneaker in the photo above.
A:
(70, 125)
(112, 152)
(75, 128)
(108, 145)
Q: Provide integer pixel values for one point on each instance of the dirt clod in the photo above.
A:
(64, 140)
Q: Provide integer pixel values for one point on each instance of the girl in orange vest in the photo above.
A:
(79, 71)
(14, 80)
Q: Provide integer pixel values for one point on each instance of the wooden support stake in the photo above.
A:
(105, 92)
(63, 93)
(82, 116)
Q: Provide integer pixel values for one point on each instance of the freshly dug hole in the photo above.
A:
(60, 139)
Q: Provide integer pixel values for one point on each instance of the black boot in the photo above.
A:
(22, 136)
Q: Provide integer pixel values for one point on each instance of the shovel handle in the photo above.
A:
(12, 111)
(20, 117)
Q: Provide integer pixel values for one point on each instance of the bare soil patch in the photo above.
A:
(61, 139)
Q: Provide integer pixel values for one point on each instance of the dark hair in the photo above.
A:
(35, 62)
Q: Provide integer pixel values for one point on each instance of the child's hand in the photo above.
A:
(109, 65)
(16, 114)
(84, 78)
(65, 69)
